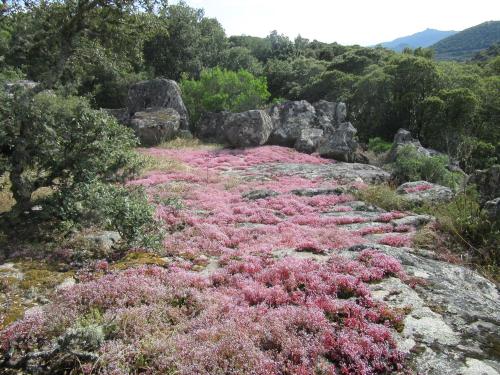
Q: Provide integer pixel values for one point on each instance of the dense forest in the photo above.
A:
(465, 44)
(95, 49)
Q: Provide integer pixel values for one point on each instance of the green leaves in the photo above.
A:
(60, 142)
(223, 90)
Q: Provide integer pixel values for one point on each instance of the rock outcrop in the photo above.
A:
(309, 140)
(157, 93)
(154, 126)
(250, 128)
(420, 192)
(329, 114)
(487, 182)
(453, 314)
(340, 144)
(211, 126)
(245, 129)
(493, 209)
(289, 119)
(307, 128)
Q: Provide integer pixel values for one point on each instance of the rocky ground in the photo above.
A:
(269, 265)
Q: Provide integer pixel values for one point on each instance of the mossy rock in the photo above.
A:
(25, 284)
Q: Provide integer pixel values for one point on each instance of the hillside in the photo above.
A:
(468, 42)
(424, 38)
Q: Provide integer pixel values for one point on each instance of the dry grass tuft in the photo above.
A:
(6, 198)
(163, 164)
(191, 143)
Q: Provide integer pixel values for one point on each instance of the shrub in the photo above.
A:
(410, 165)
(469, 227)
(223, 90)
(378, 145)
(55, 142)
(476, 154)
(125, 210)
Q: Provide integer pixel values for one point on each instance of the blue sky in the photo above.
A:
(362, 22)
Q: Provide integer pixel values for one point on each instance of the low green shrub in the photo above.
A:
(125, 210)
(410, 165)
(469, 229)
(378, 145)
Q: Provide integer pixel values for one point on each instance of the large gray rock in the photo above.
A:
(157, 93)
(211, 126)
(289, 119)
(420, 192)
(154, 126)
(487, 182)
(309, 140)
(329, 114)
(493, 209)
(340, 144)
(250, 128)
(104, 240)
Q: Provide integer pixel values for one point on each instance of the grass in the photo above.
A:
(462, 233)
(191, 143)
(6, 198)
(161, 163)
(383, 196)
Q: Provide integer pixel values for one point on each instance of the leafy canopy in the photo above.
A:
(223, 90)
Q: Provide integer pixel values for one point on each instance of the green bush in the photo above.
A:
(477, 154)
(468, 224)
(110, 207)
(410, 165)
(378, 145)
(223, 90)
(58, 142)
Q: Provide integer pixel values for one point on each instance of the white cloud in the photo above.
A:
(362, 22)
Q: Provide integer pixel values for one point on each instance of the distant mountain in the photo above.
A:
(465, 44)
(424, 38)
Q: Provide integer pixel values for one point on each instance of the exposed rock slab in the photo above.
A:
(341, 172)
(420, 192)
(454, 316)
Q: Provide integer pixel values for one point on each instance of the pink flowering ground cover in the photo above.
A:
(255, 312)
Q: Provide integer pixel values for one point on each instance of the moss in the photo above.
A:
(19, 283)
(40, 275)
(136, 259)
(395, 317)
(14, 311)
